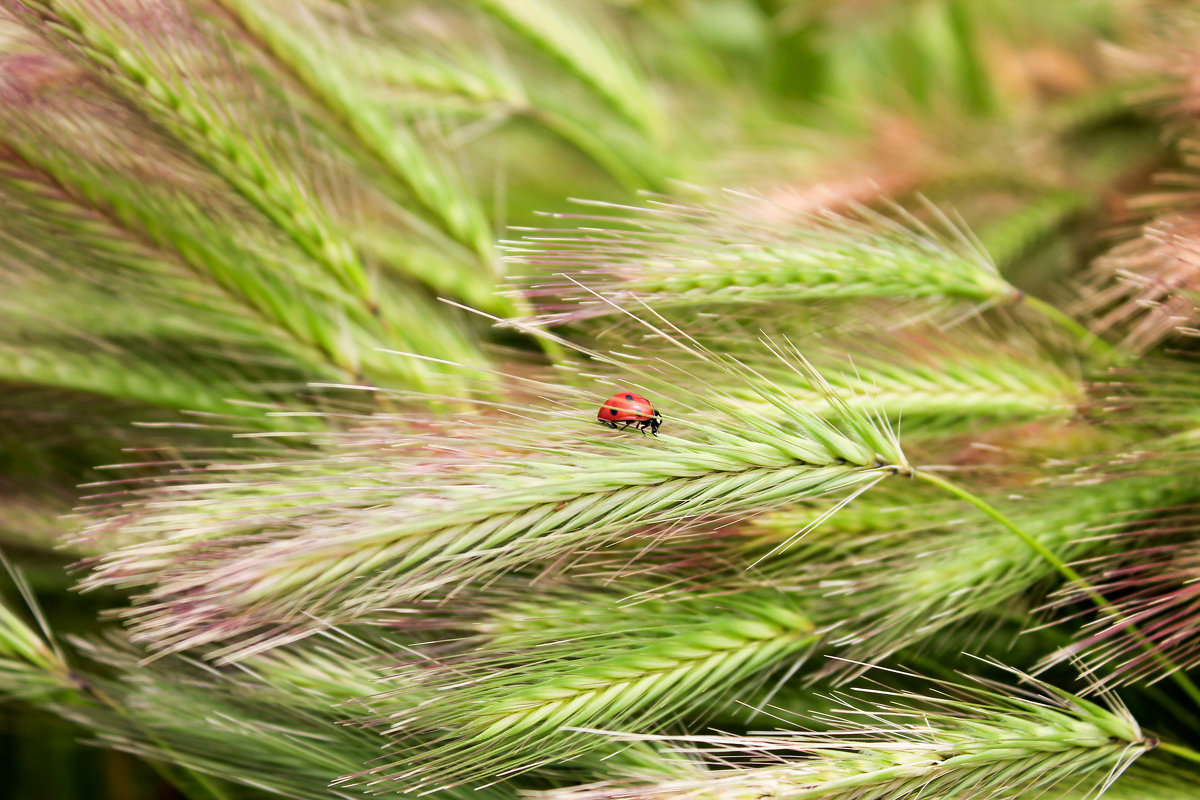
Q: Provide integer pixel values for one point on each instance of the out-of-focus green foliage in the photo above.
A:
(911, 283)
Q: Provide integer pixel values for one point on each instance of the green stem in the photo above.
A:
(1179, 750)
(1087, 340)
(1065, 569)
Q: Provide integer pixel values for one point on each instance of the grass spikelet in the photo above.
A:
(147, 225)
(670, 255)
(60, 285)
(917, 375)
(637, 668)
(255, 556)
(957, 741)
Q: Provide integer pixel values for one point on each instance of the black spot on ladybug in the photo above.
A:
(612, 411)
(628, 397)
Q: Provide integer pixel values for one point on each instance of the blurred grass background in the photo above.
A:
(205, 205)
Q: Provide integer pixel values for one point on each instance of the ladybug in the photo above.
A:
(632, 410)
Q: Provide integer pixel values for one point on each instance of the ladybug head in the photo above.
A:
(655, 421)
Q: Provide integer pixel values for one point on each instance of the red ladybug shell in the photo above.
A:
(626, 407)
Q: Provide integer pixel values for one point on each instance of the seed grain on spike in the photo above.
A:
(631, 410)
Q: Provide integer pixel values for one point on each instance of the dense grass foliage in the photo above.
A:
(307, 310)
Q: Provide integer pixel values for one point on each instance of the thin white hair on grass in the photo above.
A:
(955, 225)
(875, 416)
(1150, 568)
(816, 522)
(737, 369)
(700, 350)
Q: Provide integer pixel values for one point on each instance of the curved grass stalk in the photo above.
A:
(1154, 586)
(1111, 612)
(1032, 542)
(937, 577)
(1080, 332)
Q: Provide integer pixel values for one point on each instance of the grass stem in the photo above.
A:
(1089, 341)
(1183, 752)
(1181, 679)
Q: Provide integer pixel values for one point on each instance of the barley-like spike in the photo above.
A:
(520, 707)
(581, 46)
(956, 741)
(272, 727)
(671, 255)
(270, 561)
